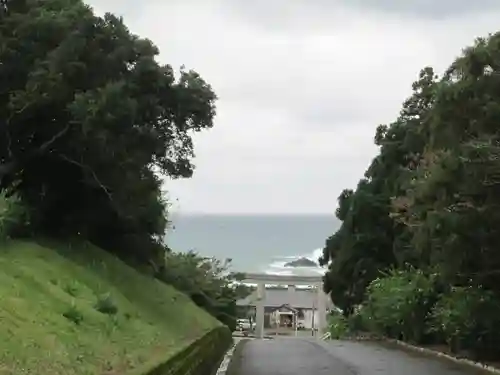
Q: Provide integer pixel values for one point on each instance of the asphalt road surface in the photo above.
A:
(298, 356)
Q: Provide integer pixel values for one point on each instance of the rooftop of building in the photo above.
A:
(298, 299)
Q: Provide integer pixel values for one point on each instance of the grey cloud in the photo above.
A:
(297, 15)
(325, 102)
(302, 86)
(434, 9)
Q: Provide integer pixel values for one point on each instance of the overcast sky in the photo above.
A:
(302, 86)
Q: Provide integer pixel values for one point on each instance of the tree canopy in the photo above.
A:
(208, 281)
(89, 120)
(429, 199)
(90, 126)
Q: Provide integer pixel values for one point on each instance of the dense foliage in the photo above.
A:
(87, 120)
(208, 282)
(417, 252)
(90, 126)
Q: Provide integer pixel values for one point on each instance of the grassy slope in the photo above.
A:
(39, 285)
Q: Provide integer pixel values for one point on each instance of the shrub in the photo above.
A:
(73, 315)
(106, 305)
(338, 326)
(398, 304)
(355, 321)
(469, 319)
(14, 217)
(207, 281)
(71, 289)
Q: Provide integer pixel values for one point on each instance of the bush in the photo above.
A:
(106, 305)
(207, 281)
(13, 216)
(73, 315)
(71, 289)
(398, 305)
(469, 319)
(355, 321)
(338, 326)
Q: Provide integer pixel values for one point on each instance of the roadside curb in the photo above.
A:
(226, 362)
(227, 358)
(434, 353)
(252, 337)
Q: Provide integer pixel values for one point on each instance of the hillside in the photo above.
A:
(79, 310)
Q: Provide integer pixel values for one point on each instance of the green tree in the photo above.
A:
(369, 239)
(88, 119)
(208, 282)
(430, 198)
(453, 202)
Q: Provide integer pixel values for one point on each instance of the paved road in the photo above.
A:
(296, 356)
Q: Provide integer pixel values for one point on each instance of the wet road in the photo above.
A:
(294, 356)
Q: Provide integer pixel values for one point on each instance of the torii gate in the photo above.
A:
(261, 279)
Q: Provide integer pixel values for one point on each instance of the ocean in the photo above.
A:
(255, 243)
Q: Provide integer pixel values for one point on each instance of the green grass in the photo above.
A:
(81, 311)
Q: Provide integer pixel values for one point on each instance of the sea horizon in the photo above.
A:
(255, 242)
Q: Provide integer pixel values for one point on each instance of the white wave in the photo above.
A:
(288, 257)
(278, 266)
